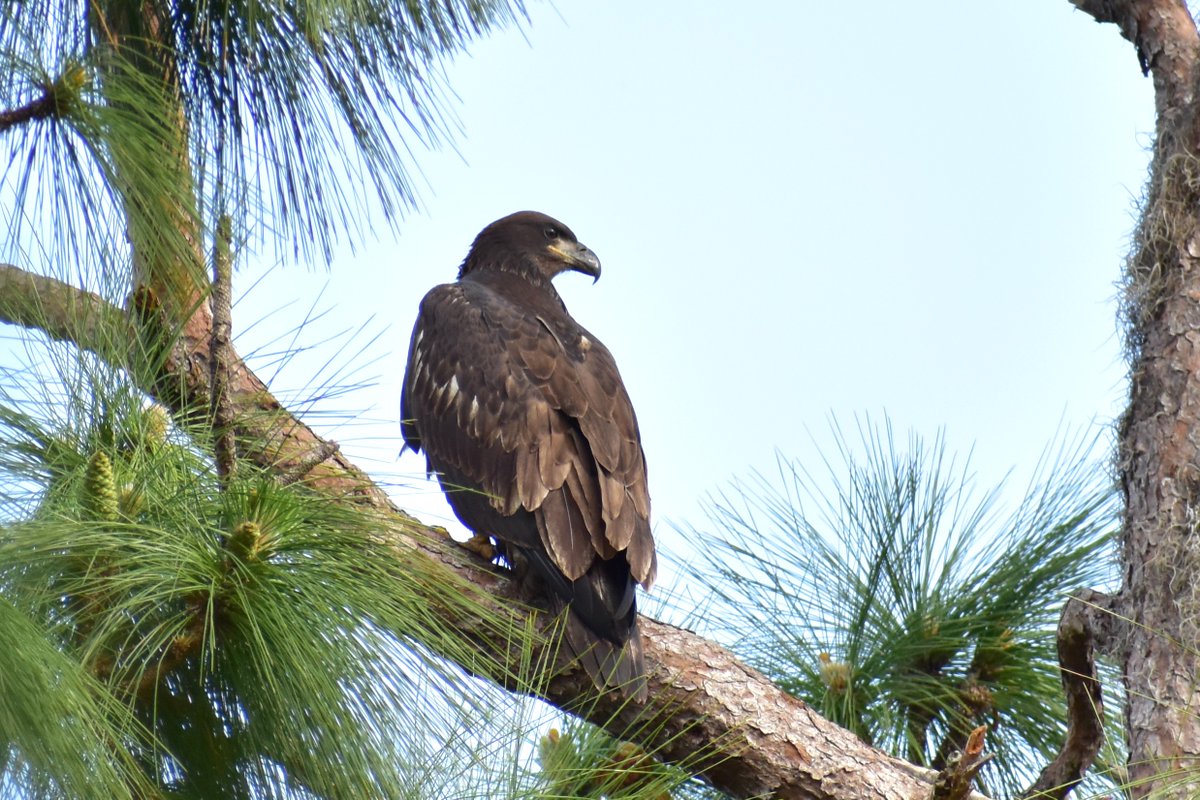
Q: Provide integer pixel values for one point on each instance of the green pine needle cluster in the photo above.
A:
(65, 735)
(251, 640)
(585, 763)
(303, 115)
(903, 605)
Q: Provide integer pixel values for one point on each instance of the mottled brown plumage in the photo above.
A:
(522, 414)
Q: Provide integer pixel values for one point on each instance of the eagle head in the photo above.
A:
(533, 244)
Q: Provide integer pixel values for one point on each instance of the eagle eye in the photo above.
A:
(550, 232)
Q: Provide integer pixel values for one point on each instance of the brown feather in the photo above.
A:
(643, 562)
(564, 535)
(612, 497)
(555, 454)
(620, 529)
(584, 495)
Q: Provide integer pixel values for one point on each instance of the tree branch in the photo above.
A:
(222, 349)
(1085, 620)
(40, 108)
(61, 311)
(755, 739)
(954, 781)
(1164, 35)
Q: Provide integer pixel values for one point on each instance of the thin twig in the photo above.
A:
(222, 359)
(300, 470)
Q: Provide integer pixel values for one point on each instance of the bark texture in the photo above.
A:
(757, 740)
(1159, 602)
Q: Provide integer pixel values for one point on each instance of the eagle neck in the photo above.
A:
(495, 260)
(537, 293)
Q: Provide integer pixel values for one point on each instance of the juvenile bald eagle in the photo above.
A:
(522, 415)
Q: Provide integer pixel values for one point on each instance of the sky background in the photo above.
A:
(803, 209)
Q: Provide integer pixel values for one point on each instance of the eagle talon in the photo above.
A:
(482, 546)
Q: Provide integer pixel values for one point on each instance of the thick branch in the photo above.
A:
(703, 700)
(755, 739)
(1164, 34)
(61, 311)
(1079, 630)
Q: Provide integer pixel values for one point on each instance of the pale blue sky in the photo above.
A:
(803, 208)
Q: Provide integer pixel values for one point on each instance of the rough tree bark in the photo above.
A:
(1157, 611)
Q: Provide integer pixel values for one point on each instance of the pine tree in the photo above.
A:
(199, 596)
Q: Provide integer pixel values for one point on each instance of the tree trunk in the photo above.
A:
(1159, 602)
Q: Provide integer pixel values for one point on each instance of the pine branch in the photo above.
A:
(61, 311)
(222, 349)
(759, 740)
(149, 680)
(1165, 37)
(40, 108)
(56, 100)
(975, 700)
(298, 472)
(1081, 626)
(954, 782)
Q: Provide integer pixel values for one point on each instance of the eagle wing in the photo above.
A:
(529, 408)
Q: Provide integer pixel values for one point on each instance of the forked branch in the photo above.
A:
(955, 779)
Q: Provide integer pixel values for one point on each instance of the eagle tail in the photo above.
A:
(610, 665)
(601, 632)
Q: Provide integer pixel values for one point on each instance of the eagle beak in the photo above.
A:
(577, 257)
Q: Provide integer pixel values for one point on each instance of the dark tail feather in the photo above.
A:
(601, 628)
(609, 664)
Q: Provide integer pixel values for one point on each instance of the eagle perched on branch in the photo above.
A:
(522, 414)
